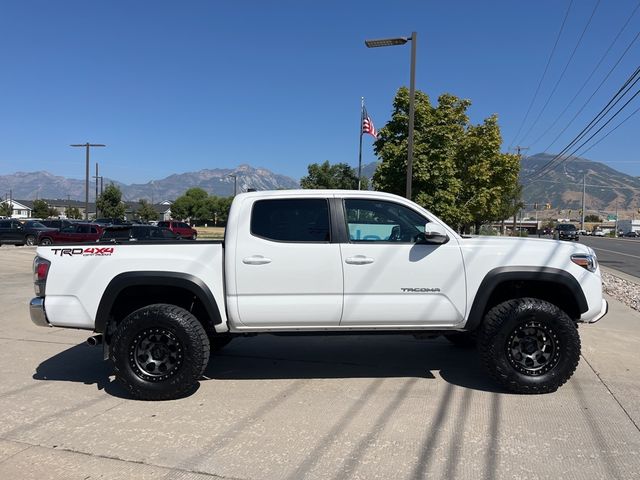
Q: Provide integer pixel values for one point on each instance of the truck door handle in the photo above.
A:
(359, 260)
(256, 260)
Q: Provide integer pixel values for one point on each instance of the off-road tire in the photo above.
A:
(501, 330)
(183, 345)
(463, 339)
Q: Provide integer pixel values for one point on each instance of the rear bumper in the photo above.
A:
(37, 312)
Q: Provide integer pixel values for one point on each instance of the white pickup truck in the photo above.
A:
(323, 261)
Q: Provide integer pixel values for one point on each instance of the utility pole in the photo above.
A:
(519, 150)
(235, 183)
(584, 189)
(96, 177)
(86, 181)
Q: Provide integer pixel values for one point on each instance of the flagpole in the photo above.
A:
(360, 153)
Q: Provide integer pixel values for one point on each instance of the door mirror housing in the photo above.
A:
(433, 233)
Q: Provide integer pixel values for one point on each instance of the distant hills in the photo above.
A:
(561, 187)
(219, 181)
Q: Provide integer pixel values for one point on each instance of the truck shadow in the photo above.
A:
(267, 357)
(355, 356)
(81, 364)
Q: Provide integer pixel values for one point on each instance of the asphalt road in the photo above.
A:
(619, 253)
(387, 407)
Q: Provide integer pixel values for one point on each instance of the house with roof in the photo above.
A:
(20, 209)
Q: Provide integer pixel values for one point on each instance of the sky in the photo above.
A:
(172, 86)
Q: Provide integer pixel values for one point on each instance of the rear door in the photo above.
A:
(389, 279)
(287, 266)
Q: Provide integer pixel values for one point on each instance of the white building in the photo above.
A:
(19, 210)
(629, 226)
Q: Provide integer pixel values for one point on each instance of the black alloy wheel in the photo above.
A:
(529, 345)
(159, 352)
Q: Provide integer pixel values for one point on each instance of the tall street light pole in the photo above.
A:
(86, 182)
(235, 183)
(391, 42)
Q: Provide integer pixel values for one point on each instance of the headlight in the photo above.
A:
(590, 262)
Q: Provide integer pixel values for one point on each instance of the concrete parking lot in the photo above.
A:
(388, 407)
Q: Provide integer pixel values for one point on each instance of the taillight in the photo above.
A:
(40, 272)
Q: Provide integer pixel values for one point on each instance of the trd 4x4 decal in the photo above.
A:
(84, 252)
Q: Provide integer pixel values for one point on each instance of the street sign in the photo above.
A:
(611, 218)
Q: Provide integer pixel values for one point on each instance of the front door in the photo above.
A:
(389, 279)
(287, 266)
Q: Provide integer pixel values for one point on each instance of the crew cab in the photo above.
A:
(314, 262)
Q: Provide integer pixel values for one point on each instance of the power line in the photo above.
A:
(595, 69)
(594, 92)
(611, 131)
(546, 68)
(614, 101)
(606, 123)
(564, 70)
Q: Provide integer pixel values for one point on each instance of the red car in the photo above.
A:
(76, 233)
(181, 229)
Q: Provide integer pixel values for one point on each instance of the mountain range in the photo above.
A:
(606, 188)
(219, 181)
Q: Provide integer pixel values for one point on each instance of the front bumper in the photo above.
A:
(603, 311)
(37, 312)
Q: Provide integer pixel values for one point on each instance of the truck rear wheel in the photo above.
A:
(529, 345)
(159, 352)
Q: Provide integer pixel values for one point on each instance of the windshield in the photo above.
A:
(566, 226)
(33, 224)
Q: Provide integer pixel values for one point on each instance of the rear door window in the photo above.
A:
(291, 220)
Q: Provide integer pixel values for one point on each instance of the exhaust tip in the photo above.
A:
(94, 340)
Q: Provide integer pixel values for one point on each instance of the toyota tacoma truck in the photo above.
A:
(313, 262)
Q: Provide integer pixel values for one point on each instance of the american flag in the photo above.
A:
(367, 124)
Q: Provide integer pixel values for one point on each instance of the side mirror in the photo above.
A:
(434, 233)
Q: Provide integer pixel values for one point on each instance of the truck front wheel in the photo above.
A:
(529, 345)
(159, 352)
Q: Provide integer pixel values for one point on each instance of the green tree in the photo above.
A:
(146, 212)
(219, 208)
(592, 218)
(110, 202)
(53, 212)
(6, 210)
(339, 176)
(40, 209)
(193, 205)
(73, 213)
(489, 179)
(458, 170)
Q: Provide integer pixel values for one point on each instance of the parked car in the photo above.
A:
(631, 234)
(133, 233)
(598, 233)
(566, 231)
(181, 229)
(74, 233)
(59, 223)
(104, 222)
(15, 232)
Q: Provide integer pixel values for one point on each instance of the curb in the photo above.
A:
(621, 275)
